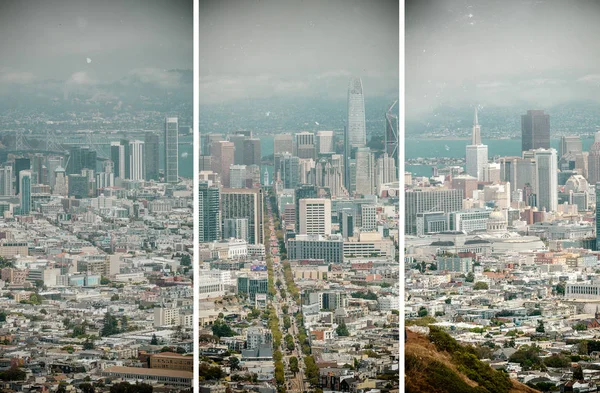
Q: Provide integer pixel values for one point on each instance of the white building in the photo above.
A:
(315, 216)
(546, 185)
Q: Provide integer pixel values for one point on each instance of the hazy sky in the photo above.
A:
(271, 48)
(500, 52)
(53, 39)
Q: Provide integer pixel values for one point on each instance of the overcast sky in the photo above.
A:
(53, 39)
(500, 52)
(271, 48)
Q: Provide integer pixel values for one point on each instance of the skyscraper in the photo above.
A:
(80, 158)
(535, 129)
(392, 138)
(210, 223)
(237, 176)
(252, 151)
(357, 135)
(21, 164)
(594, 161)
(245, 203)
(78, 186)
(429, 200)
(25, 191)
(546, 187)
(283, 143)
(117, 156)
(151, 151)
(6, 174)
(222, 157)
(570, 144)
(171, 150)
(289, 170)
(315, 216)
(136, 160)
(477, 153)
(238, 143)
(305, 145)
(325, 142)
(365, 171)
(597, 216)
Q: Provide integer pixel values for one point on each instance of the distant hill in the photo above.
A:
(437, 364)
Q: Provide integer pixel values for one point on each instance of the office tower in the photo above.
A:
(368, 214)
(238, 143)
(151, 152)
(289, 170)
(80, 158)
(205, 163)
(245, 203)
(329, 173)
(252, 176)
(210, 222)
(221, 160)
(428, 200)
(357, 135)
(25, 191)
(171, 150)
(78, 186)
(306, 171)
(535, 129)
(570, 144)
(21, 164)
(252, 151)
(365, 171)
(346, 221)
(283, 143)
(117, 156)
(392, 137)
(325, 142)
(386, 170)
(52, 164)
(303, 191)
(315, 216)
(136, 160)
(206, 141)
(236, 228)
(491, 172)
(237, 176)
(546, 186)
(305, 145)
(60, 182)
(104, 180)
(6, 175)
(477, 153)
(581, 163)
(266, 178)
(594, 160)
(597, 216)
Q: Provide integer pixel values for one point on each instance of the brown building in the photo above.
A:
(172, 361)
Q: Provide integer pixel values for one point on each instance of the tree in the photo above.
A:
(114, 297)
(580, 326)
(221, 329)
(578, 373)
(87, 388)
(88, 345)
(154, 340)
(180, 350)
(470, 277)
(422, 312)
(540, 327)
(294, 364)
(234, 363)
(480, 285)
(2, 316)
(13, 374)
(342, 330)
(110, 325)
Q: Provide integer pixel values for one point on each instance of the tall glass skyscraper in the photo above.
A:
(171, 150)
(25, 191)
(535, 129)
(210, 221)
(151, 141)
(357, 134)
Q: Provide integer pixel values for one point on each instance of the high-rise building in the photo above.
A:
(477, 153)
(301, 192)
(356, 129)
(137, 163)
(60, 182)
(392, 137)
(329, 173)
(78, 186)
(21, 164)
(570, 144)
(80, 158)
(210, 223)
(546, 187)
(25, 191)
(252, 151)
(305, 145)
(151, 152)
(315, 216)
(237, 176)
(171, 150)
(283, 143)
(597, 216)
(594, 160)
(236, 228)
(206, 141)
(535, 129)
(368, 217)
(429, 199)
(289, 170)
(365, 171)
(245, 203)
(52, 164)
(346, 222)
(238, 143)
(325, 142)
(386, 170)
(117, 156)
(6, 175)
(222, 159)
